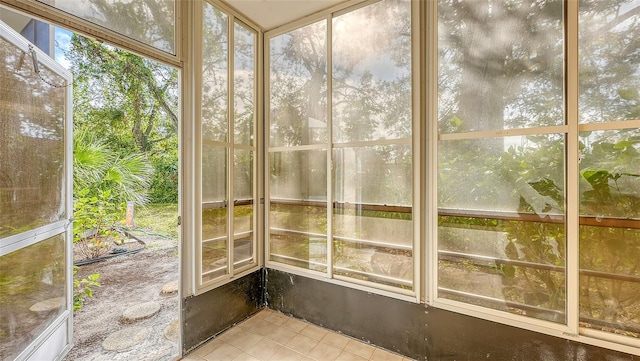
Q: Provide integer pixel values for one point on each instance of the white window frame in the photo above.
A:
(233, 18)
(413, 295)
(571, 330)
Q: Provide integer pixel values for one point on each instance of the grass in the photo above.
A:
(158, 218)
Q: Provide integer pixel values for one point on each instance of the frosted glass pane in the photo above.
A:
(32, 293)
(152, 22)
(372, 73)
(298, 86)
(609, 63)
(244, 84)
(215, 90)
(32, 154)
(500, 65)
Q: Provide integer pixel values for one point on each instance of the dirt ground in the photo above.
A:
(129, 280)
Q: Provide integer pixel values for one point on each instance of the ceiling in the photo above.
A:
(270, 14)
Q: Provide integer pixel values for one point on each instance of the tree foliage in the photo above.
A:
(125, 109)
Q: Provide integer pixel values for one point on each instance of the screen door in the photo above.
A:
(36, 293)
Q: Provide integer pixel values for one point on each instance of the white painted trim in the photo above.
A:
(431, 161)
(505, 133)
(329, 166)
(615, 125)
(416, 151)
(572, 168)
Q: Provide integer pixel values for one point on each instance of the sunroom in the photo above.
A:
(447, 180)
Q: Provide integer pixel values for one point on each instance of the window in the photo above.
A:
(341, 190)
(538, 170)
(609, 136)
(501, 149)
(151, 22)
(227, 144)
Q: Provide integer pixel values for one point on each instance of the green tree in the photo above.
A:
(130, 102)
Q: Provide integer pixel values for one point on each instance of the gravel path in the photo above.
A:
(128, 281)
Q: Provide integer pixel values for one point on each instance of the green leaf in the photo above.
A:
(629, 94)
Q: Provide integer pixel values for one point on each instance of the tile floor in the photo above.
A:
(272, 336)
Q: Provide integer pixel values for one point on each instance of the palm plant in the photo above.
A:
(99, 168)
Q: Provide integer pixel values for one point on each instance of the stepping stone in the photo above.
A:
(171, 332)
(49, 305)
(170, 288)
(140, 311)
(125, 338)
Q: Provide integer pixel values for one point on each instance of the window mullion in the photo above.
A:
(431, 232)
(329, 149)
(230, 147)
(572, 167)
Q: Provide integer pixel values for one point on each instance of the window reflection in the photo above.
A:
(151, 22)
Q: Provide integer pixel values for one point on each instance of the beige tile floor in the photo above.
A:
(272, 336)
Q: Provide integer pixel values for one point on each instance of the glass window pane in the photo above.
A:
(152, 22)
(215, 65)
(32, 181)
(298, 86)
(297, 233)
(500, 65)
(214, 212)
(244, 84)
(32, 293)
(609, 62)
(373, 175)
(609, 231)
(298, 208)
(244, 207)
(503, 174)
(501, 224)
(373, 235)
(374, 244)
(243, 175)
(371, 81)
(214, 174)
(243, 251)
(300, 175)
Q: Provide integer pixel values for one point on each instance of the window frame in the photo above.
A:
(56, 16)
(415, 294)
(570, 330)
(200, 286)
